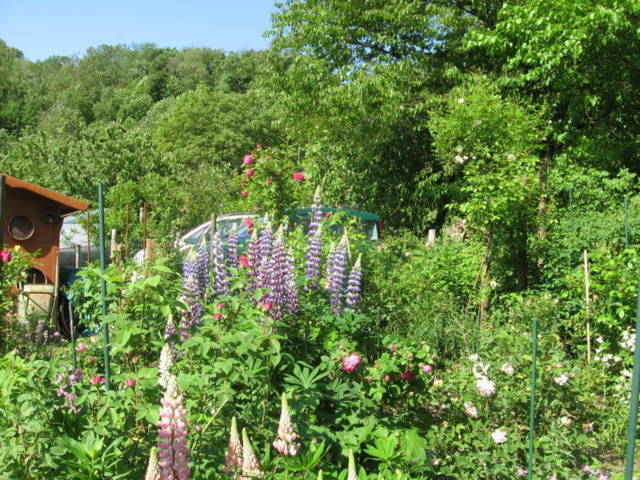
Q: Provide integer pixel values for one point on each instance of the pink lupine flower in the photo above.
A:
(249, 172)
(247, 160)
(173, 453)
(350, 363)
(153, 472)
(426, 368)
(286, 443)
(97, 380)
(233, 458)
(5, 256)
(244, 261)
(408, 375)
(131, 382)
(298, 177)
(250, 464)
(244, 194)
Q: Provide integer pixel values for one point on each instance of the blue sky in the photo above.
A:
(41, 28)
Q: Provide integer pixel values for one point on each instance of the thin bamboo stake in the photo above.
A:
(626, 224)
(73, 337)
(103, 289)
(633, 401)
(532, 398)
(587, 284)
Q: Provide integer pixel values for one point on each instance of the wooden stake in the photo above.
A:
(88, 237)
(431, 238)
(77, 249)
(586, 302)
(113, 243)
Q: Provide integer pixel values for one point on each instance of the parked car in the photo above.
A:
(371, 225)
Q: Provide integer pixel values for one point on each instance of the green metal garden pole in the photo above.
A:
(103, 285)
(532, 399)
(626, 223)
(633, 401)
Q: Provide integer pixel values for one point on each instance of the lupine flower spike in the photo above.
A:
(232, 248)
(233, 459)
(351, 472)
(336, 275)
(220, 270)
(286, 441)
(173, 453)
(203, 266)
(153, 471)
(314, 257)
(250, 465)
(353, 286)
(165, 364)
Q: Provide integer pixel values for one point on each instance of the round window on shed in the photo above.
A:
(20, 228)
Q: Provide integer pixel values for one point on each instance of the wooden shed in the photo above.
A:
(31, 217)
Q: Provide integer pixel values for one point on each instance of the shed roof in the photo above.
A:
(68, 204)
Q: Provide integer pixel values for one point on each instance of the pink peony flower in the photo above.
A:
(247, 160)
(5, 256)
(249, 172)
(408, 375)
(244, 194)
(298, 177)
(351, 363)
(97, 380)
(131, 382)
(426, 368)
(269, 181)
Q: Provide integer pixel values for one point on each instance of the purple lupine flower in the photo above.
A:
(192, 296)
(314, 258)
(353, 286)
(232, 248)
(276, 277)
(291, 294)
(336, 276)
(202, 268)
(219, 267)
(173, 452)
(316, 214)
(265, 247)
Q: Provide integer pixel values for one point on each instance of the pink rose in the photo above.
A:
(135, 359)
(393, 347)
(249, 172)
(328, 214)
(5, 256)
(220, 306)
(298, 177)
(350, 363)
(130, 382)
(248, 160)
(407, 375)
(259, 147)
(97, 379)
(244, 194)
(217, 316)
(244, 261)
(81, 347)
(248, 222)
(409, 356)
(265, 307)
(426, 368)
(269, 181)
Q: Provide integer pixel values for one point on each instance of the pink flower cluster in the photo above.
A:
(286, 443)
(5, 256)
(351, 362)
(64, 383)
(173, 452)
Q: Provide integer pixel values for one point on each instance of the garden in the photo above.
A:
(486, 331)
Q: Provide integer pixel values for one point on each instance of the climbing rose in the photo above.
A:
(249, 172)
(244, 261)
(269, 181)
(286, 443)
(248, 160)
(407, 375)
(244, 194)
(426, 368)
(350, 363)
(233, 459)
(499, 436)
(298, 177)
(174, 455)
(81, 347)
(130, 382)
(5, 256)
(97, 379)
(248, 222)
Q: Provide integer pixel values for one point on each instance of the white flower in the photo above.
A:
(470, 410)
(565, 420)
(485, 386)
(459, 159)
(493, 284)
(499, 436)
(480, 370)
(508, 369)
(562, 379)
(461, 100)
(511, 157)
(626, 373)
(474, 357)
(599, 340)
